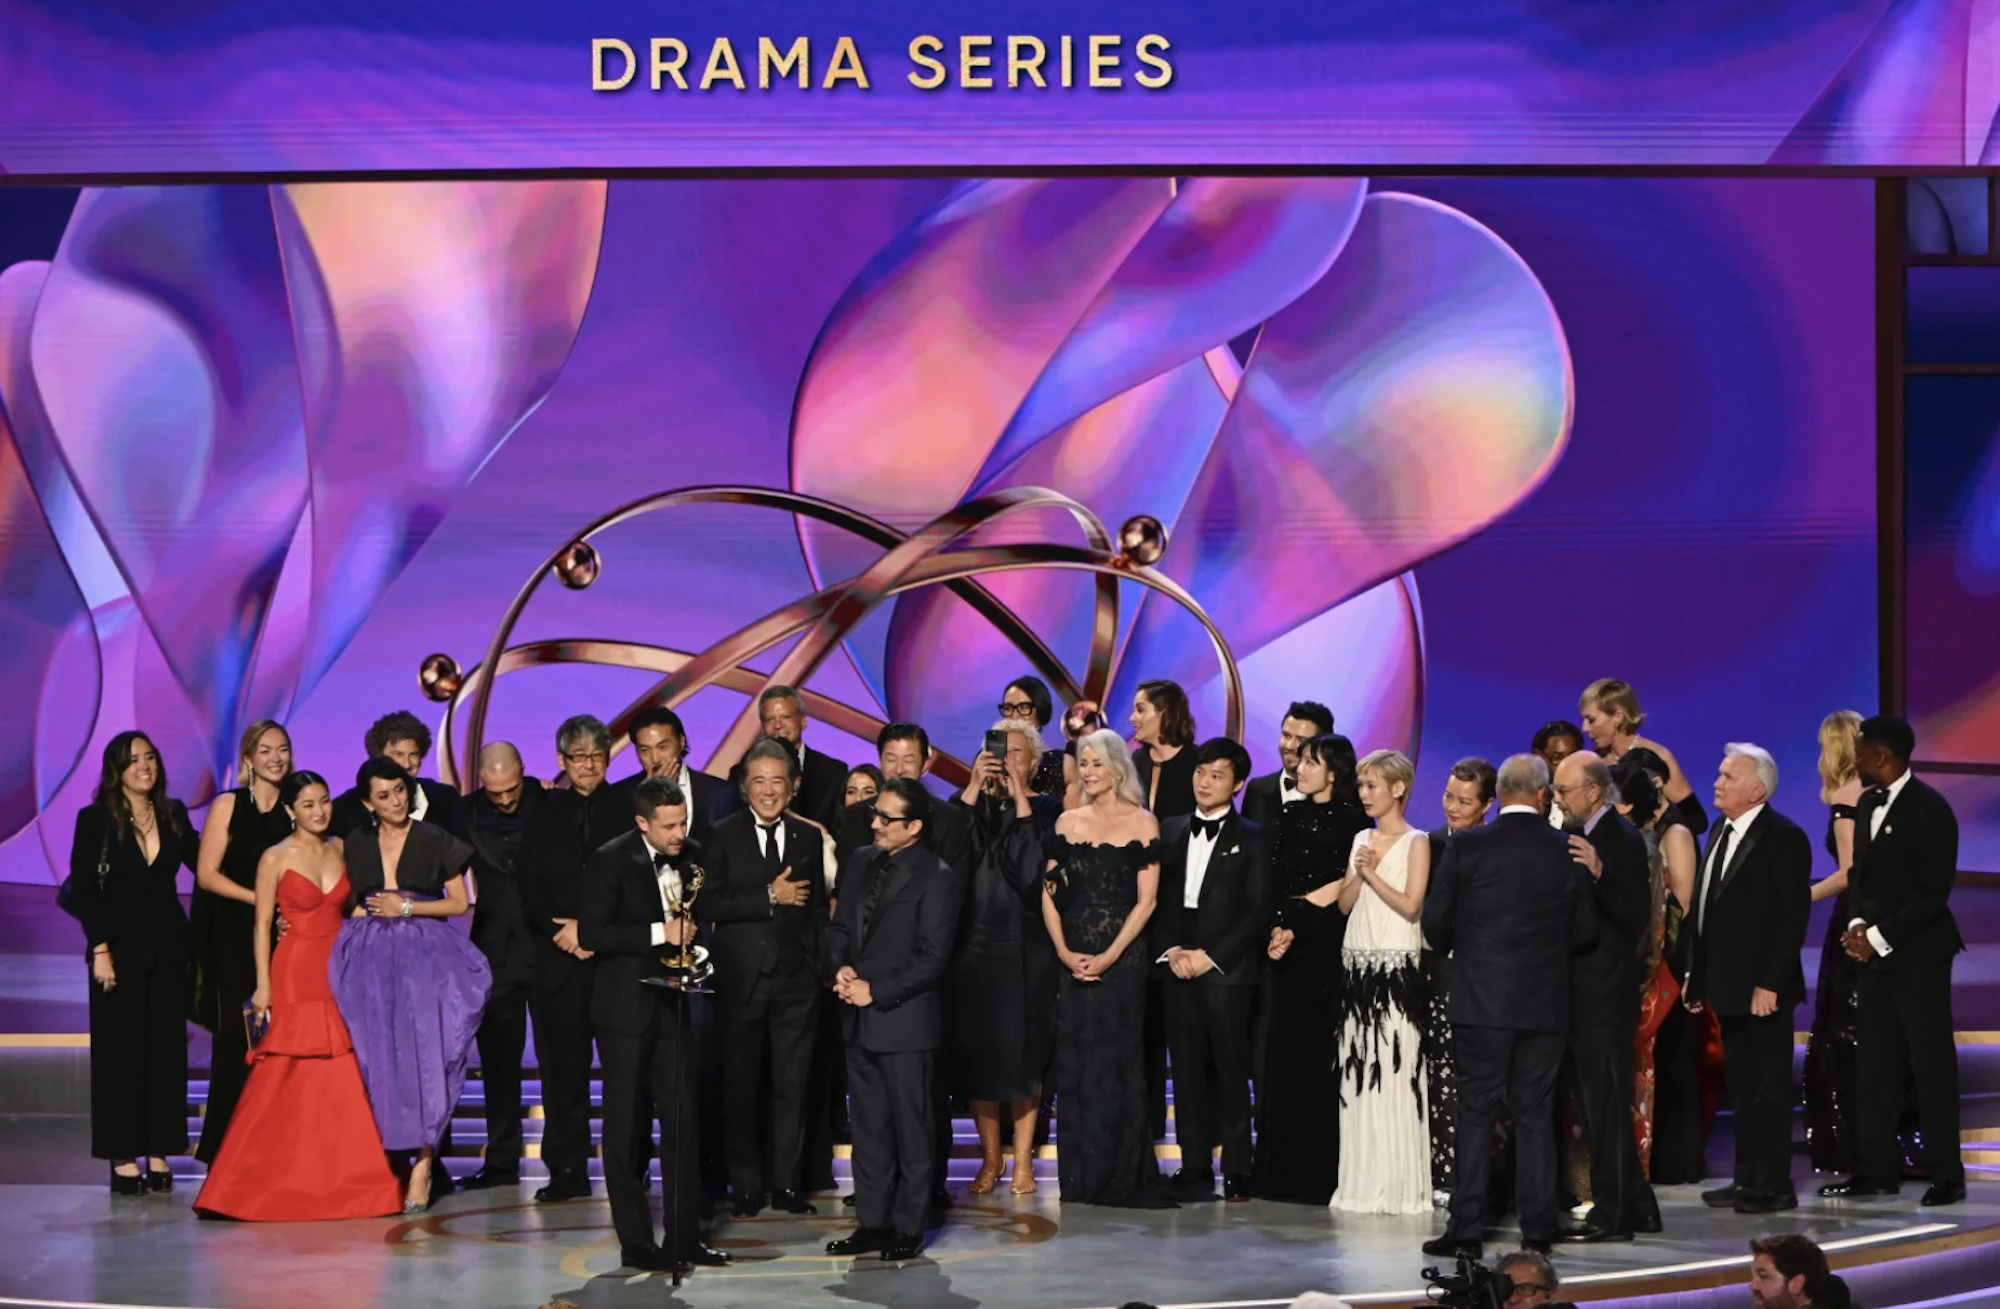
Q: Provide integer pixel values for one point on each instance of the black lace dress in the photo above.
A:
(1298, 1101)
(1104, 1154)
(1829, 1066)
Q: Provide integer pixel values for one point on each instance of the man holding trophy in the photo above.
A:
(637, 906)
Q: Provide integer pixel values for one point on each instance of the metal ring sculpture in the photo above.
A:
(921, 558)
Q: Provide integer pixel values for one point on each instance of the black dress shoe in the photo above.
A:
(1236, 1189)
(566, 1187)
(704, 1255)
(1853, 1188)
(442, 1182)
(747, 1206)
(1749, 1201)
(123, 1185)
(847, 1201)
(159, 1182)
(1723, 1198)
(1588, 1234)
(792, 1202)
(941, 1199)
(650, 1260)
(1448, 1247)
(903, 1247)
(863, 1240)
(1192, 1184)
(1944, 1193)
(487, 1178)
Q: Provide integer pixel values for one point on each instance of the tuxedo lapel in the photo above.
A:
(898, 873)
(1742, 852)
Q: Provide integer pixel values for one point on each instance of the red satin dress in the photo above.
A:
(302, 1144)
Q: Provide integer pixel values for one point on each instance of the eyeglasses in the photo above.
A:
(587, 757)
(1025, 709)
(1522, 1290)
(886, 819)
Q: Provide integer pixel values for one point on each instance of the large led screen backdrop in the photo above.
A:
(1436, 453)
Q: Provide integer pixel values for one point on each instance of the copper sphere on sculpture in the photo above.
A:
(1082, 719)
(439, 676)
(1142, 540)
(578, 565)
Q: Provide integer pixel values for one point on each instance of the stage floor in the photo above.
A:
(74, 1245)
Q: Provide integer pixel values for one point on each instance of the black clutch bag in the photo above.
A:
(254, 1024)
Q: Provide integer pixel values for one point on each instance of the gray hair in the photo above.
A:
(581, 729)
(1110, 747)
(1767, 767)
(1020, 727)
(1545, 1272)
(1523, 774)
(773, 748)
(1597, 773)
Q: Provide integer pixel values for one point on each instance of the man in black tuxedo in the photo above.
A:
(822, 789)
(495, 820)
(888, 947)
(1752, 899)
(402, 739)
(565, 830)
(1510, 904)
(767, 900)
(1604, 1000)
(1265, 797)
(1902, 933)
(1207, 939)
(643, 1032)
(660, 741)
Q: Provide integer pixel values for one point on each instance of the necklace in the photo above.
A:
(144, 823)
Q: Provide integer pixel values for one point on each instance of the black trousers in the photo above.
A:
(1208, 1038)
(503, 1035)
(1522, 1068)
(767, 1052)
(1601, 1095)
(1757, 1068)
(562, 1052)
(641, 1074)
(893, 1110)
(1903, 1021)
(139, 1064)
(826, 1099)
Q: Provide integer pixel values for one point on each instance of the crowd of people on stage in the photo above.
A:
(1539, 1001)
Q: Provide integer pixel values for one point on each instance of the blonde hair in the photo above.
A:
(1392, 766)
(1110, 747)
(253, 736)
(1839, 733)
(1613, 696)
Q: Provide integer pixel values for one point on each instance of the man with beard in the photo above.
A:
(1266, 796)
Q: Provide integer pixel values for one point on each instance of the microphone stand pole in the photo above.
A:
(685, 1034)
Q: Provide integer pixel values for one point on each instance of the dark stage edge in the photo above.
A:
(76, 1246)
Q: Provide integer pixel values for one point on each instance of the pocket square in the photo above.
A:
(1234, 849)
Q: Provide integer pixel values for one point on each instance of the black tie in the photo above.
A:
(660, 861)
(877, 875)
(1717, 866)
(1209, 827)
(769, 836)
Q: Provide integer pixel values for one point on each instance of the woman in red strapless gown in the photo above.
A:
(302, 1144)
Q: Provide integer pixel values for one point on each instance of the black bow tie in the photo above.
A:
(1209, 827)
(661, 860)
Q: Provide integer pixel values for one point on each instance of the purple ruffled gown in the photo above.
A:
(411, 991)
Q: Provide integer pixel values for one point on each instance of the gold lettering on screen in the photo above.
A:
(930, 62)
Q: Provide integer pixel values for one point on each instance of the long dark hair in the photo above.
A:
(110, 794)
(1337, 753)
(1638, 788)
(1176, 718)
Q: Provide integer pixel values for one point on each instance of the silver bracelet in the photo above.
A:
(409, 906)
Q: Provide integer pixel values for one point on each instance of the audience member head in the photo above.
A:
(1639, 756)
(900, 814)
(1027, 697)
(1839, 734)
(1221, 767)
(1884, 746)
(134, 776)
(265, 754)
(1534, 1277)
(864, 783)
(583, 748)
(1748, 777)
(660, 741)
(385, 790)
(660, 809)
(1521, 780)
(1780, 1268)
(1468, 793)
(1583, 786)
(1327, 762)
(1640, 795)
(904, 749)
(1610, 710)
(400, 736)
(500, 774)
(1024, 749)
(782, 711)
(770, 776)
(1384, 778)
(1104, 768)
(306, 798)
(1305, 720)
(1557, 740)
(1161, 716)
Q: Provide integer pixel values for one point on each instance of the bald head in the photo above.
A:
(1582, 785)
(500, 774)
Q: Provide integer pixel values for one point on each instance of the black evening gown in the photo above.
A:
(231, 966)
(1298, 1103)
(1104, 1152)
(1176, 792)
(1830, 1050)
(1680, 1137)
(1003, 974)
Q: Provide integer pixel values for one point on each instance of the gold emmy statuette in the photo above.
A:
(685, 968)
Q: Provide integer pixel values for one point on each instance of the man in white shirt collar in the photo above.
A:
(1266, 797)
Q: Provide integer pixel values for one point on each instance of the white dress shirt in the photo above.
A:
(1875, 822)
(1201, 848)
(1711, 878)
(766, 838)
(1288, 789)
(1506, 809)
(670, 891)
